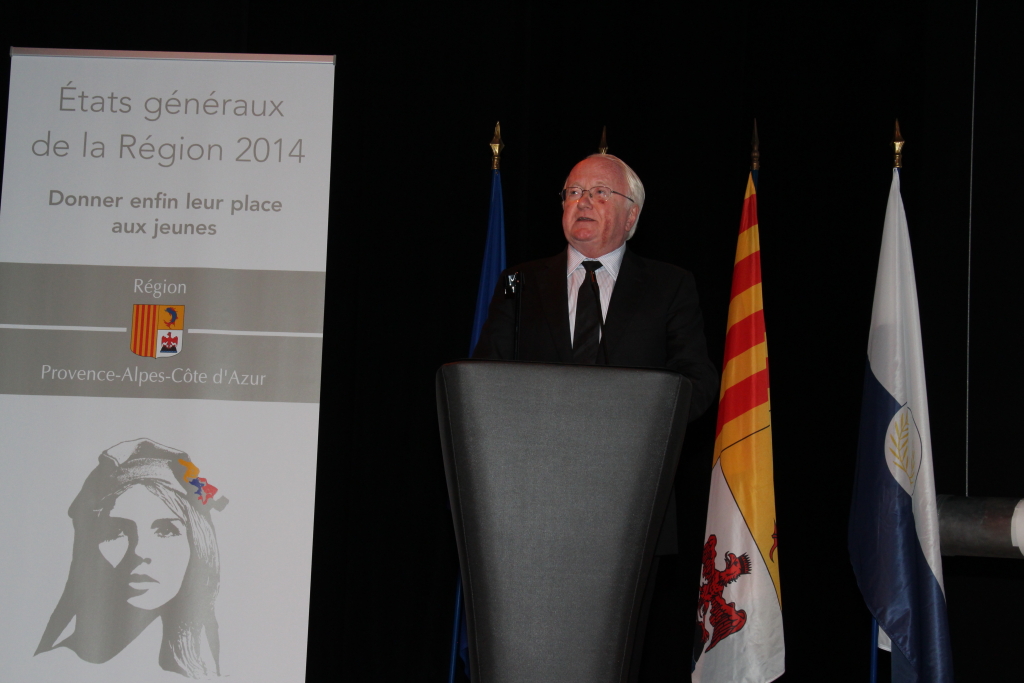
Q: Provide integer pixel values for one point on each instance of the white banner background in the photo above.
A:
(295, 238)
(257, 454)
(258, 447)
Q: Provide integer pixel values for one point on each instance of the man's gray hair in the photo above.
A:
(636, 188)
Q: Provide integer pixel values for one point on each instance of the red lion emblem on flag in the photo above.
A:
(724, 618)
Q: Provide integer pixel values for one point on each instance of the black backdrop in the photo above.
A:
(417, 92)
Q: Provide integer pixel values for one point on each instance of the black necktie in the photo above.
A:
(587, 337)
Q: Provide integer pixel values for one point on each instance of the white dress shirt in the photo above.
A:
(606, 275)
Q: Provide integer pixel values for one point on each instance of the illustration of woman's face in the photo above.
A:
(148, 542)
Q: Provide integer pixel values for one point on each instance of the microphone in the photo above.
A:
(514, 288)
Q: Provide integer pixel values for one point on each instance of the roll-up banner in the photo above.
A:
(163, 236)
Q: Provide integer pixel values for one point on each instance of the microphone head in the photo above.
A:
(513, 281)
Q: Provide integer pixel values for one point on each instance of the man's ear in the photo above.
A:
(634, 213)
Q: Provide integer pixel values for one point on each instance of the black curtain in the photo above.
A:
(418, 90)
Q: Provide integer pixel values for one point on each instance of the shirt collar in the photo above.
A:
(610, 261)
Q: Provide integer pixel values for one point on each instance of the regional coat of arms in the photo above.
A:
(723, 617)
(157, 330)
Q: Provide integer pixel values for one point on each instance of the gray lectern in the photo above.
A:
(558, 477)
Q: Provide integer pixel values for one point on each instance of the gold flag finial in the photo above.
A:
(603, 147)
(897, 146)
(755, 153)
(496, 146)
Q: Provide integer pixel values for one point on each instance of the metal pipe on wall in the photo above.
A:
(981, 526)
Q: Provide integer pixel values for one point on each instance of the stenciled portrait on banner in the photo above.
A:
(145, 561)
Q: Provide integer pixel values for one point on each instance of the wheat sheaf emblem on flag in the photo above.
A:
(723, 617)
(903, 449)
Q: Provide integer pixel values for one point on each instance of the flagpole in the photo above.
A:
(741, 500)
(755, 155)
(455, 631)
(897, 163)
(493, 265)
(897, 147)
(894, 528)
(874, 651)
(496, 146)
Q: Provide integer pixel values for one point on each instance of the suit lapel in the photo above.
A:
(626, 297)
(555, 299)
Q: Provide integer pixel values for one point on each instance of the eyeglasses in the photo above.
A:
(599, 193)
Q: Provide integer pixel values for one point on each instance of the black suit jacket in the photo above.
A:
(653, 321)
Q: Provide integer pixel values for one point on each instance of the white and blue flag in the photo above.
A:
(894, 527)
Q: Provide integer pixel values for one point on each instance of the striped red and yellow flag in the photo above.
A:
(743, 440)
(739, 634)
(145, 319)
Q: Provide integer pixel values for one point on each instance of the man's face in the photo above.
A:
(593, 227)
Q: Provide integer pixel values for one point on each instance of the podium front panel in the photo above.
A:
(558, 476)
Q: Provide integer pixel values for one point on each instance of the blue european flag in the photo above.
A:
(494, 258)
(490, 271)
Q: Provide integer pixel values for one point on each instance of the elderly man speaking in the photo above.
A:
(598, 302)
